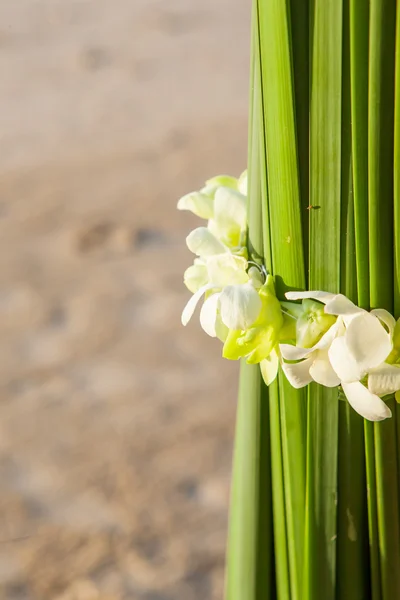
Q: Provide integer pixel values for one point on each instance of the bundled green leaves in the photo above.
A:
(326, 339)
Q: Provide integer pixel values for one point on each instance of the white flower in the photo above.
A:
(384, 379)
(229, 223)
(232, 299)
(354, 347)
(314, 363)
(225, 208)
(196, 276)
(199, 203)
(203, 242)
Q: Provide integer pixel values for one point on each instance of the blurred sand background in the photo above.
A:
(116, 423)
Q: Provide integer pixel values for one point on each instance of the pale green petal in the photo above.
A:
(367, 340)
(255, 277)
(269, 367)
(227, 269)
(209, 190)
(257, 342)
(298, 374)
(384, 379)
(230, 208)
(221, 329)
(288, 329)
(230, 215)
(195, 277)
(367, 405)
(240, 306)
(292, 308)
(231, 349)
(198, 203)
(223, 180)
(263, 344)
(202, 242)
(343, 362)
(209, 315)
(242, 183)
(213, 227)
(312, 323)
(321, 370)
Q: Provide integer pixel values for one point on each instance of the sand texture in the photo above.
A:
(116, 423)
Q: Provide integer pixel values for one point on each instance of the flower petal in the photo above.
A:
(269, 367)
(315, 295)
(343, 362)
(230, 213)
(230, 204)
(321, 370)
(190, 307)
(368, 341)
(195, 277)
(199, 204)
(367, 405)
(202, 242)
(227, 269)
(385, 316)
(298, 374)
(384, 379)
(223, 180)
(242, 183)
(240, 306)
(290, 352)
(334, 331)
(341, 305)
(255, 277)
(209, 315)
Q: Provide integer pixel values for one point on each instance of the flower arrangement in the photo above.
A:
(326, 339)
(315, 495)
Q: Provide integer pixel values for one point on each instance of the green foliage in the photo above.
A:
(315, 510)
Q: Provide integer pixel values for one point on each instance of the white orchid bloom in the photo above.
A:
(259, 343)
(221, 180)
(356, 346)
(196, 275)
(203, 242)
(313, 363)
(201, 203)
(222, 201)
(360, 352)
(229, 222)
(233, 300)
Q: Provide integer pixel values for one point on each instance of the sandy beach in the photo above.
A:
(116, 422)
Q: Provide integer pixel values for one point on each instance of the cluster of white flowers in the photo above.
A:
(358, 351)
(220, 271)
(326, 338)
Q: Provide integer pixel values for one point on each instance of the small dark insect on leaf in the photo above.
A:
(313, 207)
